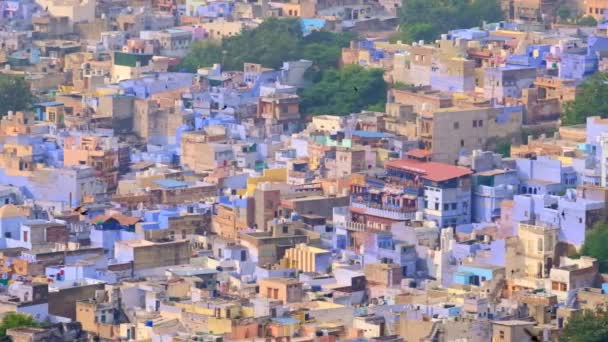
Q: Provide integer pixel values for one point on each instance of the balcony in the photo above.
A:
(378, 210)
(355, 226)
(493, 192)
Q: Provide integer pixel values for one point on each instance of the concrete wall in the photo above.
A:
(63, 302)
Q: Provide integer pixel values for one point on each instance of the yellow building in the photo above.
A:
(270, 175)
(327, 123)
(307, 258)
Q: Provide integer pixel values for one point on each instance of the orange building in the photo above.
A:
(283, 289)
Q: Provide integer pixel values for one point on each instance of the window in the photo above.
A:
(480, 124)
(461, 142)
(285, 229)
(25, 237)
(436, 206)
(426, 204)
(7, 200)
(7, 235)
(456, 125)
(474, 123)
(446, 206)
(454, 206)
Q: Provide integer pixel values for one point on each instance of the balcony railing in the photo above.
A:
(355, 226)
(378, 210)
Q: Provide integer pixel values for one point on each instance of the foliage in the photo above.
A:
(15, 94)
(403, 86)
(595, 244)
(324, 49)
(16, 320)
(503, 146)
(427, 19)
(348, 90)
(590, 326)
(270, 44)
(591, 99)
(563, 12)
(202, 54)
(345, 91)
(587, 21)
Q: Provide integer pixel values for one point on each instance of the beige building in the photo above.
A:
(471, 127)
(384, 274)
(307, 258)
(347, 161)
(327, 123)
(147, 254)
(531, 256)
(283, 289)
(205, 150)
(572, 274)
(78, 11)
(218, 30)
(511, 331)
(594, 8)
(157, 120)
(268, 248)
(370, 326)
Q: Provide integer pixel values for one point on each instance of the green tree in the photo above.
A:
(590, 326)
(564, 13)
(344, 91)
(201, 54)
(595, 244)
(15, 94)
(587, 21)
(591, 99)
(270, 44)
(16, 320)
(503, 146)
(324, 49)
(427, 19)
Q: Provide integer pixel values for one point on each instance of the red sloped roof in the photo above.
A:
(433, 171)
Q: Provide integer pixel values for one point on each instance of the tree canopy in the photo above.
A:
(587, 21)
(591, 99)
(427, 19)
(15, 94)
(344, 91)
(270, 44)
(16, 320)
(595, 244)
(564, 12)
(333, 91)
(590, 326)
